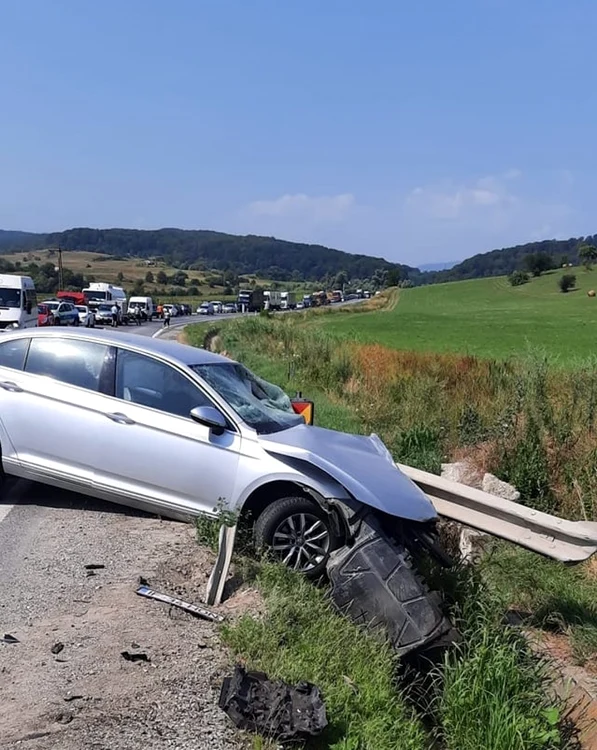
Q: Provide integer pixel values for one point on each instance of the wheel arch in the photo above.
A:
(266, 494)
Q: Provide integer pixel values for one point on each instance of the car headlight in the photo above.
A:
(13, 325)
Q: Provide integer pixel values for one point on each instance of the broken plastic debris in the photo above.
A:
(273, 708)
(134, 657)
(206, 614)
(9, 639)
(94, 566)
(57, 648)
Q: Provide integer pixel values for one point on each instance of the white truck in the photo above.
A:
(100, 291)
(288, 301)
(272, 300)
(146, 305)
(18, 302)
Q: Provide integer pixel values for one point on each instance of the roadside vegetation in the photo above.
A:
(523, 420)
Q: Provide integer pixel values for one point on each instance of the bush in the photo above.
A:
(567, 282)
(518, 278)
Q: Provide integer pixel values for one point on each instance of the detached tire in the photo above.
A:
(298, 533)
(376, 584)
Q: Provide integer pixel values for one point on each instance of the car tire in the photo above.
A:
(376, 583)
(291, 529)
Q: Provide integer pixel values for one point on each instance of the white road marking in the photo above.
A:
(4, 511)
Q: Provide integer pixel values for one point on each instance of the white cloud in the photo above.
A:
(317, 209)
(449, 201)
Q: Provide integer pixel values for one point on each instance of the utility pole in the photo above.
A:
(60, 276)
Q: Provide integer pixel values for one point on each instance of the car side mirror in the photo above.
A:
(210, 417)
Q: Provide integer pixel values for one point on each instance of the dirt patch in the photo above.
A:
(86, 695)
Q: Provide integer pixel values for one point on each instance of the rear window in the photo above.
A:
(13, 353)
(70, 361)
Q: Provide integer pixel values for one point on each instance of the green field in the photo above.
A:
(485, 317)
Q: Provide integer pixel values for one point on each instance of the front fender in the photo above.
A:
(316, 482)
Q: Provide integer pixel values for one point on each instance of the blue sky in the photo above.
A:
(420, 131)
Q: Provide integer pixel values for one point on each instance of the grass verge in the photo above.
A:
(491, 692)
(302, 638)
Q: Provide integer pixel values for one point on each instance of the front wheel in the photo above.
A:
(298, 533)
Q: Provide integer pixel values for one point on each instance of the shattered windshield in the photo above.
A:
(263, 406)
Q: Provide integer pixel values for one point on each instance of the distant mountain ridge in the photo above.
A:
(504, 261)
(279, 259)
(440, 266)
(265, 256)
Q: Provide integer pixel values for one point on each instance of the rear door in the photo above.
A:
(151, 449)
(54, 407)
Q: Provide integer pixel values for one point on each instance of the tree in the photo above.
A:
(517, 278)
(162, 278)
(588, 255)
(393, 277)
(379, 278)
(120, 277)
(567, 282)
(193, 291)
(538, 263)
(341, 280)
(149, 277)
(179, 278)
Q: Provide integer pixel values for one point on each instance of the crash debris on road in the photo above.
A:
(193, 609)
(273, 708)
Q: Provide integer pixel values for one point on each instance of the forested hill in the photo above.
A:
(266, 256)
(506, 260)
(278, 259)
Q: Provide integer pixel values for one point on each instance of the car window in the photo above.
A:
(70, 361)
(149, 382)
(12, 353)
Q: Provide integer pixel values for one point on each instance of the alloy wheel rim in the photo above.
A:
(301, 541)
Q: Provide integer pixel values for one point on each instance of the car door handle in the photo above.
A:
(120, 418)
(13, 387)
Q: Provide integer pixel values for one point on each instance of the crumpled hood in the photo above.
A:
(361, 464)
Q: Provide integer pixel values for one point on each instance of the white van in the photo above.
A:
(146, 305)
(18, 302)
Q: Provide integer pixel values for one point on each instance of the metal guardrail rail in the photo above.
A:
(567, 541)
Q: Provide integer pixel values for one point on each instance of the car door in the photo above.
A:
(53, 408)
(152, 450)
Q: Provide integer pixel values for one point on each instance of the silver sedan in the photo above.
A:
(180, 432)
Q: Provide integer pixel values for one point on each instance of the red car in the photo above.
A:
(45, 317)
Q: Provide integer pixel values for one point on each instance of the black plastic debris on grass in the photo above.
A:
(273, 708)
(9, 639)
(194, 609)
(127, 656)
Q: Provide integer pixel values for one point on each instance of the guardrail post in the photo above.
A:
(219, 573)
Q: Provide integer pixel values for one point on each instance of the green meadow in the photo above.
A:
(486, 318)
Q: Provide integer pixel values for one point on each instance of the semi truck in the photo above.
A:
(288, 300)
(250, 300)
(272, 300)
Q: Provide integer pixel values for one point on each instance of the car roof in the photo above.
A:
(181, 353)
